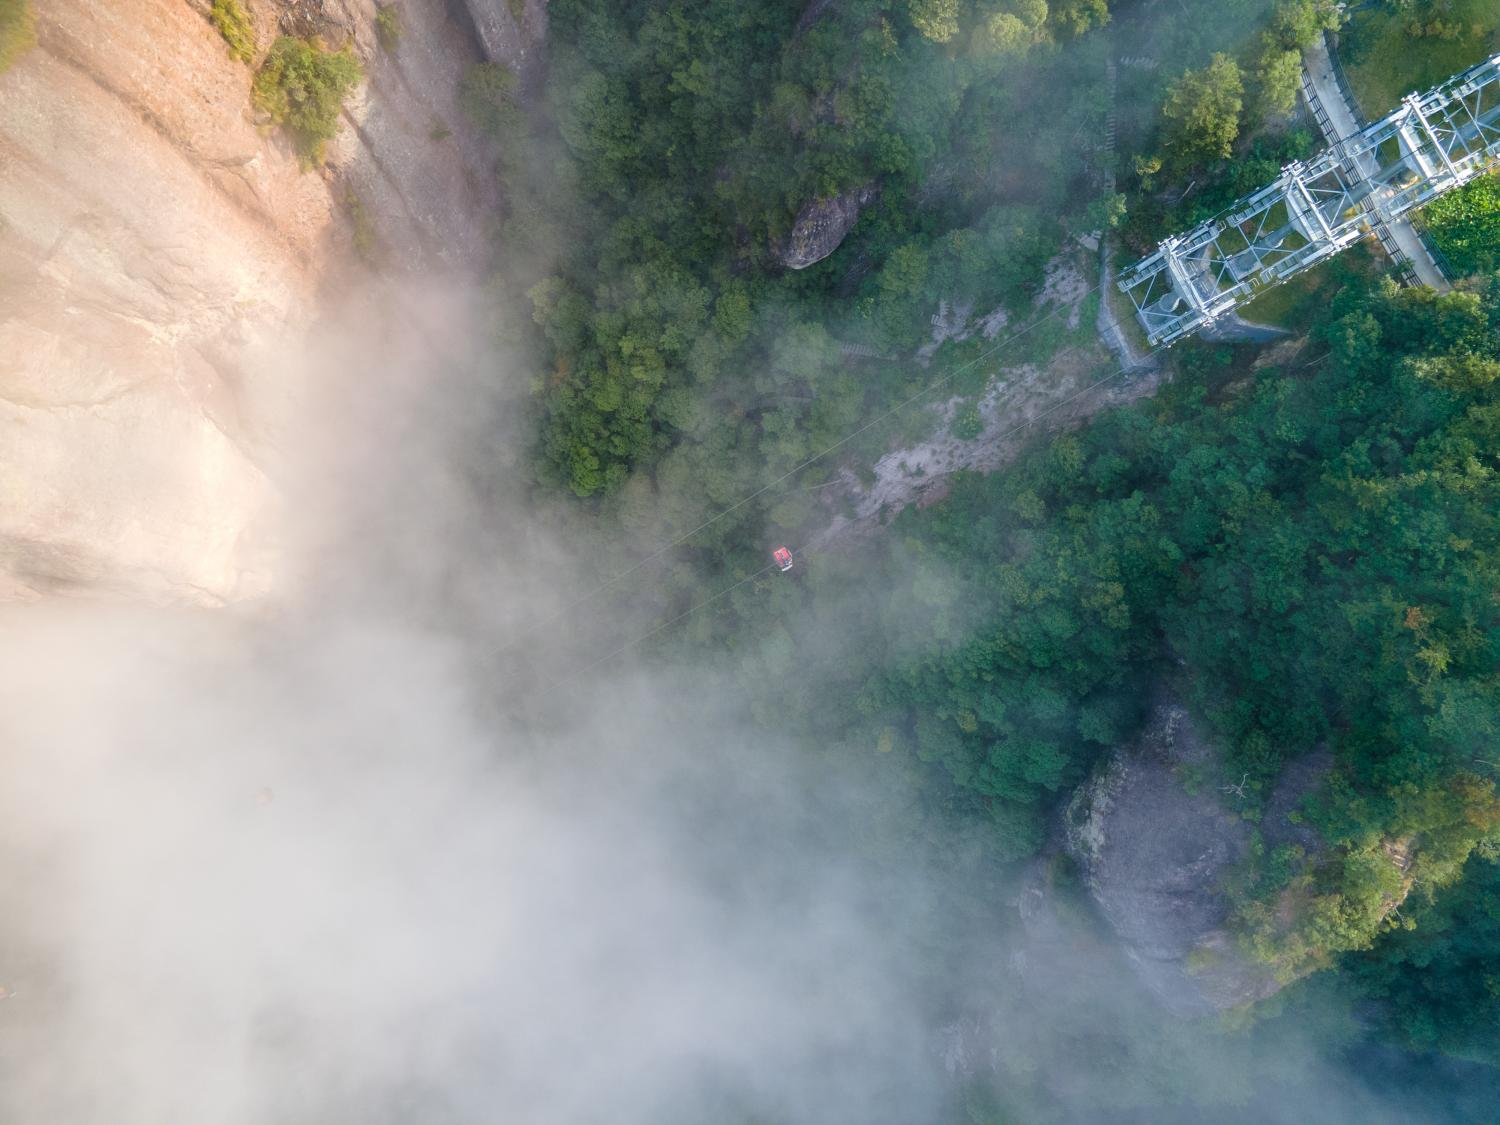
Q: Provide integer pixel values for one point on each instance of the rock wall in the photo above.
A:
(1156, 836)
(512, 32)
(160, 249)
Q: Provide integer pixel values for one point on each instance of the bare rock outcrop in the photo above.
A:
(511, 33)
(160, 248)
(1155, 839)
(822, 225)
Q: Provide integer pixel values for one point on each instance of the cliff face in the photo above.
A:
(512, 32)
(159, 250)
(1156, 846)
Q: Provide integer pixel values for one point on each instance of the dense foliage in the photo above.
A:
(689, 138)
(17, 32)
(1309, 553)
(1304, 548)
(1465, 225)
(302, 87)
(1437, 980)
(234, 24)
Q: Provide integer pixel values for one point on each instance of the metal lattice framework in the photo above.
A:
(1432, 143)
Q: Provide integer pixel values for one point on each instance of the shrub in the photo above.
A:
(303, 88)
(968, 425)
(388, 27)
(17, 32)
(233, 23)
(488, 96)
(366, 240)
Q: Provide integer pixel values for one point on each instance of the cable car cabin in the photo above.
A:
(783, 558)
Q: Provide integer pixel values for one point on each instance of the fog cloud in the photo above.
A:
(293, 862)
(335, 857)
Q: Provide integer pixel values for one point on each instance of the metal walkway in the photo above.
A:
(1355, 189)
(1334, 107)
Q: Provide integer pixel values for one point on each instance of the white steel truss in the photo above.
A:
(1432, 143)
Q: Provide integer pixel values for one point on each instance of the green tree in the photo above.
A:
(302, 88)
(1280, 76)
(1203, 111)
(1298, 23)
(1017, 27)
(1003, 33)
(935, 19)
(1079, 16)
(1294, 26)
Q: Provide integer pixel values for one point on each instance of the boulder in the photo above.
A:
(1155, 836)
(822, 225)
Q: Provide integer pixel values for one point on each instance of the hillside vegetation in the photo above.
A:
(1398, 47)
(1304, 543)
(690, 138)
(302, 87)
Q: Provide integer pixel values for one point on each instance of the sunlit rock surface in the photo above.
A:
(159, 251)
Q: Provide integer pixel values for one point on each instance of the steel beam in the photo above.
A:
(1368, 190)
(1414, 103)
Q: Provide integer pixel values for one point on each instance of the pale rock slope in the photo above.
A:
(162, 253)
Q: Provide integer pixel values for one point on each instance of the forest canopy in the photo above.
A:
(692, 136)
(1309, 552)
(1302, 542)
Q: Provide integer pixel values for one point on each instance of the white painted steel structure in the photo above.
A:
(1432, 143)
